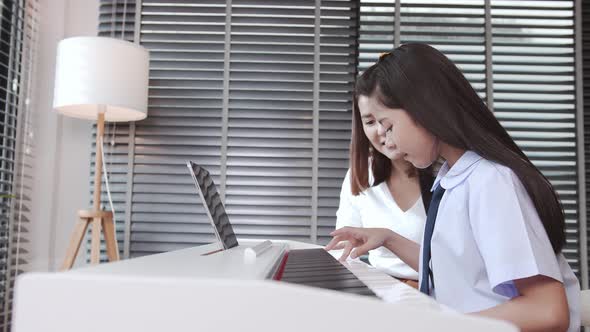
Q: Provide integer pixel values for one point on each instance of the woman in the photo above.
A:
(383, 190)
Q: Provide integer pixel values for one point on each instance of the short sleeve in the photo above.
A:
(508, 231)
(348, 213)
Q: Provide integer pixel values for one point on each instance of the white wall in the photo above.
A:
(63, 145)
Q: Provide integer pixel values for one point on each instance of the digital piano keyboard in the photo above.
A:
(290, 286)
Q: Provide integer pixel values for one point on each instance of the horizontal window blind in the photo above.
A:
(585, 39)
(8, 118)
(534, 96)
(456, 28)
(19, 26)
(186, 43)
(338, 69)
(376, 31)
(233, 90)
(270, 125)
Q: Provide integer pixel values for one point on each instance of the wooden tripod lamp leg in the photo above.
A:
(96, 223)
(98, 161)
(75, 241)
(95, 244)
(110, 238)
(108, 227)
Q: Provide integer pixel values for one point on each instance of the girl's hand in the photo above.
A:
(360, 239)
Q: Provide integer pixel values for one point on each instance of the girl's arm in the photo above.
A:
(364, 239)
(407, 250)
(541, 306)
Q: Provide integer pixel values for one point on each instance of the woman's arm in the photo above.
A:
(364, 239)
(541, 306)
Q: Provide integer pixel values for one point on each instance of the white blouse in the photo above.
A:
(375, 207)
(487, 234)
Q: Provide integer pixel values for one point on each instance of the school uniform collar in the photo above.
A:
(449, 178)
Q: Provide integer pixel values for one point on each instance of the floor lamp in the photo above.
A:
(102, 79)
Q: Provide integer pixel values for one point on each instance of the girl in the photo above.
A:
(383, 190)
(495, 228)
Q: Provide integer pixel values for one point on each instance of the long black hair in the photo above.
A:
(425, 83)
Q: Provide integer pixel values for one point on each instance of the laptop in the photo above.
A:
(213, 205)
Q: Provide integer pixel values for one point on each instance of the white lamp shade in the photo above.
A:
(94, 72)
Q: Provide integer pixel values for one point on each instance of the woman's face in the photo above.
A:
(374, 131)
(398, 132)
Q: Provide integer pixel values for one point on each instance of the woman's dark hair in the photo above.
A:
(361, 152)
(426, 84)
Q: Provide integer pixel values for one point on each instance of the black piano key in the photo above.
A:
(289, 269)
(317, 268)
(310, 264)
(359, 291)
(321, 277)
(336, 284)
(304, 274)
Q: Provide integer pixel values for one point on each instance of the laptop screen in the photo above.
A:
(213, 205)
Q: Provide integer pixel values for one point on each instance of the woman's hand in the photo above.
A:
(360, 239)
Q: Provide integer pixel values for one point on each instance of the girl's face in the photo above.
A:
(400, 133)
(375, 132)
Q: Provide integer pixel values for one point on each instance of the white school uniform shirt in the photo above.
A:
(375, 207)
(487, 234)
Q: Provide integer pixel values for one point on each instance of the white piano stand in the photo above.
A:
(186, 291)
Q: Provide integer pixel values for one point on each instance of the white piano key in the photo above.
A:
(385, 286)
